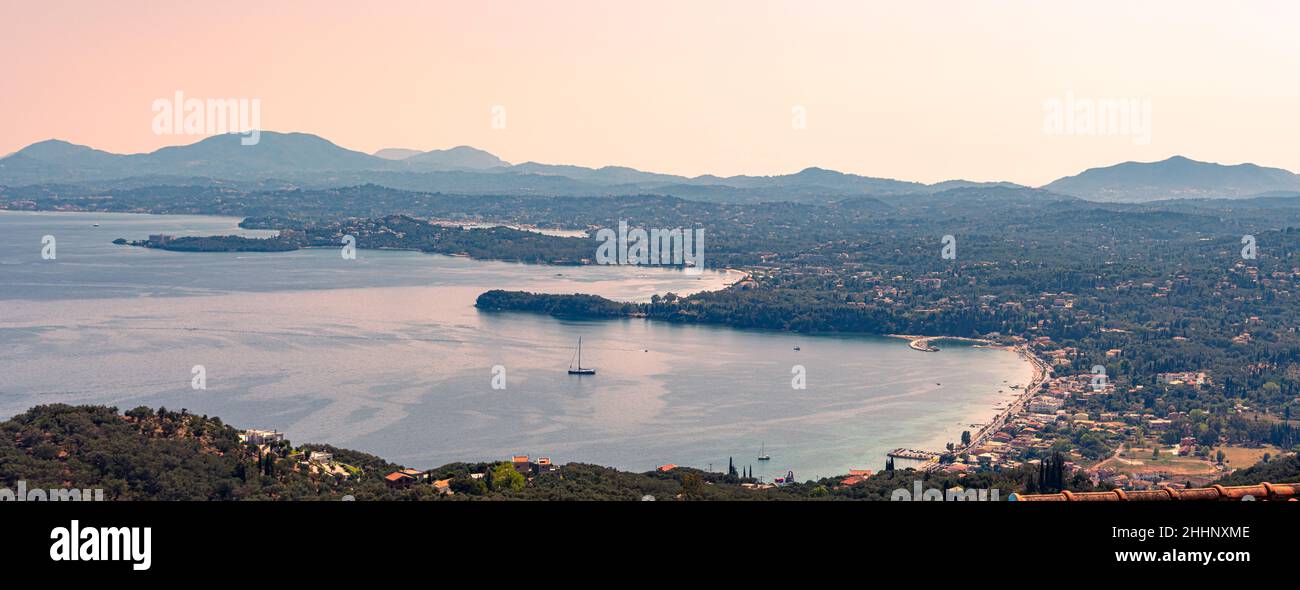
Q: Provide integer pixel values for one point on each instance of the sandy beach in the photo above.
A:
(1001, 405)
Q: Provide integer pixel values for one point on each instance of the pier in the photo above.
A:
(913, 454)
(925, 343)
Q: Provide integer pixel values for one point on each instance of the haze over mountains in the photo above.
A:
(1175, 178)
(304, 160)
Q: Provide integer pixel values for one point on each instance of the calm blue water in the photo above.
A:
(387, 354)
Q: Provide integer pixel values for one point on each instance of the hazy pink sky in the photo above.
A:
(920, 90)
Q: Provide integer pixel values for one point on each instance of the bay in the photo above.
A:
(388, 355)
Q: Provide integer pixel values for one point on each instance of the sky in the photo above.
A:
(923, 90)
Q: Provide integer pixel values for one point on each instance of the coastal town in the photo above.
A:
(1125, 450)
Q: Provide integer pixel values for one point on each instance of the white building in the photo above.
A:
(253, 436)
(1044, 404)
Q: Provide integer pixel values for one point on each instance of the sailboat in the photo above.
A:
(762, 453)
(578, 370)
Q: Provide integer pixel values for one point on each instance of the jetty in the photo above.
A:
(913, 454)
(925, 343)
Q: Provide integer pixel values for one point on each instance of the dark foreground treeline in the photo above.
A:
(169, 455)
(1284, 469)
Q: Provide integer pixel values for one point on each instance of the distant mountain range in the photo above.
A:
(303, 160)
(1175, 178)
(457, 158)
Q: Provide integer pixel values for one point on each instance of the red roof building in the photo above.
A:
(398, 479)
(852, 480)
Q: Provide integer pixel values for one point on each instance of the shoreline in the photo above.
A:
(239, 231)
(1041, 372)
(555, 232)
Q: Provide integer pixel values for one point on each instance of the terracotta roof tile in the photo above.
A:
(1261, 491)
